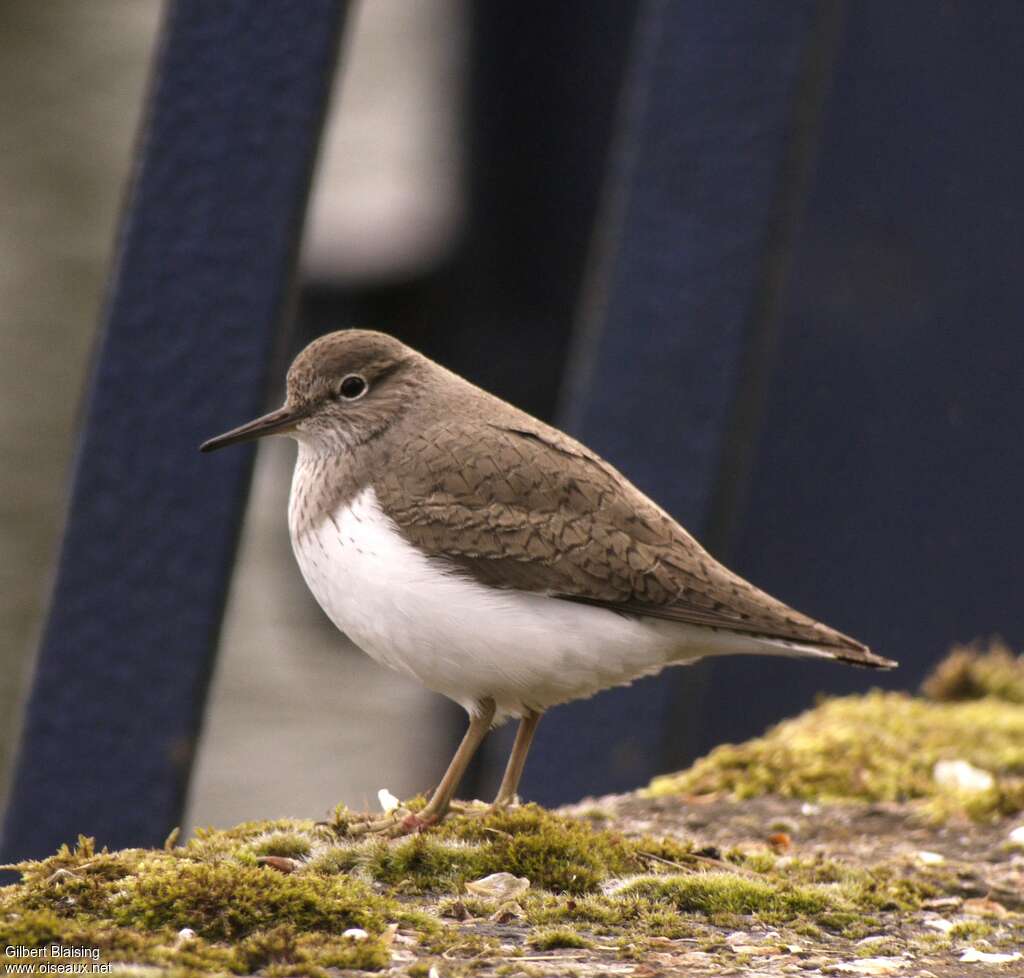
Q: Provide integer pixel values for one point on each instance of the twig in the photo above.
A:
(717, 863)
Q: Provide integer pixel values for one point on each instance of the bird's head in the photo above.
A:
(343, 389)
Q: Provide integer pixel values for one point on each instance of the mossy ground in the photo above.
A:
(884, 746)
(633, 883)
(974, 672)
(595, 892)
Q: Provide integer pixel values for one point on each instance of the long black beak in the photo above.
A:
(277, 422)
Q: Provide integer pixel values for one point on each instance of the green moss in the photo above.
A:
(424, 921)
(425, 862)
(250, 918)
(882, 888)
(882, 947)
(223, 902)
(633, 948)
(718, 893)
(760, 862)
(293, 845)
(461, 907)
(551, 938)
(131, 905)
(639, 916)
(284, 950)
(36, 928)
(248, 831)
(275, 946)
(658, 921)
(970, 930)
(669, 851)
(807, 928)
(75, 881)
(339, 952)
(454, 942)
(39, 929)
(971, 673)
(336, 859)
(878, 747)
(546, 909)
(552, 851)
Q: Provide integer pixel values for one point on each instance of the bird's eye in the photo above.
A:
(352, 387)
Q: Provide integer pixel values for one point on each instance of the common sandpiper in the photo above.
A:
(492, 557)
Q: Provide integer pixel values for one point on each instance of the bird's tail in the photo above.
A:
(853, 654)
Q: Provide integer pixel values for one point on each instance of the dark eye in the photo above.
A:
(352, 387)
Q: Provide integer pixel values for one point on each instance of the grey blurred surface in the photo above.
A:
(297, 719)
(72, 77)
(387, 199)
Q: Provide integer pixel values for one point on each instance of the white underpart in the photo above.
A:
(469, 641)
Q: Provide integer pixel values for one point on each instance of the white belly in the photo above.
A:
(463, 639)
(469, 641)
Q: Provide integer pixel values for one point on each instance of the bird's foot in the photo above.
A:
(481, 809)
(402, 821)
(503, 803)
(393, 825)
(469, 808)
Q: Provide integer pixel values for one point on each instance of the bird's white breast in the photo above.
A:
(458, 637)
(469, 641)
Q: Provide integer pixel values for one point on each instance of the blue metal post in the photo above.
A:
(700, 203)
(201, 281)
(885, 496)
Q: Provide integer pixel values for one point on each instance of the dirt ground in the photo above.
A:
(980, 882)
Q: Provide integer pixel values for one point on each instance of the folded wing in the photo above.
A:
(531, 509)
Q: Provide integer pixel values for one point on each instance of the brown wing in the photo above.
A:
(531, 509)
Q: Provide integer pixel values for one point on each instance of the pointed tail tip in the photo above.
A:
(866, 659)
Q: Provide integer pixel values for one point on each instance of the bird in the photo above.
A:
(492, 557)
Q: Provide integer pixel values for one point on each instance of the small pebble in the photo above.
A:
(185, 936)
(973, 956)
(281, 863)
(387, 801)
(962, 776)
(499, 886)
(871, 966)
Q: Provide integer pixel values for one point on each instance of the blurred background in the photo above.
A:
(481, 192)
(72, 81)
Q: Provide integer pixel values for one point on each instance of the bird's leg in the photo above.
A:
(440, 801)
(516, 762)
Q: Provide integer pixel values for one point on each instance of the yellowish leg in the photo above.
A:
(440, 801)
(517, 761)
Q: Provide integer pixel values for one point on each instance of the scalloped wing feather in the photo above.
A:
(531, 509)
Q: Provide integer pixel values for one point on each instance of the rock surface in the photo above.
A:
(622, 885)
(734, 867)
